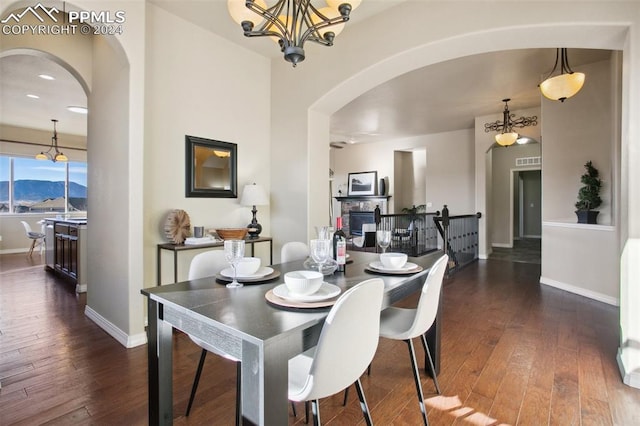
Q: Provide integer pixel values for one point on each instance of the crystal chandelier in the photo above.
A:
(507, 136)
(56, 155)
(292, 22)
(564, 85)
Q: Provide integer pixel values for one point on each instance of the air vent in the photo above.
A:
(528, 161)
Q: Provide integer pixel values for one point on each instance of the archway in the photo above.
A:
(103, 67)
(617, 38)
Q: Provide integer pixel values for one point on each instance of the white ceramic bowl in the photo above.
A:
(248, 266)
(303, 283)
(393, 260)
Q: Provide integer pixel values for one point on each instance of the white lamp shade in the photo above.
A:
(239, 11)
(562, 86)
(334, 4)
(506, 139)
(254, 195)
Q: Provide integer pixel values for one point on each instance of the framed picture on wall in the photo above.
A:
(363, 183)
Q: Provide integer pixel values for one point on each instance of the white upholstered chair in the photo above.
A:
(344, 350)
(37, 238)
(406, 324)
(293, 250)
(209, 264)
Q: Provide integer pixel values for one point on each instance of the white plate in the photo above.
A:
(262, 272)
(326, 291)
(380, 267)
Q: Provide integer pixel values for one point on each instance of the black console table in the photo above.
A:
(177, 248)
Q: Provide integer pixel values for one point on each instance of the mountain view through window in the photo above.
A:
(42, 186)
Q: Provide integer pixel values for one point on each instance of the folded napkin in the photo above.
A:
(203, 240)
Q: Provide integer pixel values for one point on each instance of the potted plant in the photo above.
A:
(589, 195)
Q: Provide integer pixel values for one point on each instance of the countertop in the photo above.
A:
(71, 220)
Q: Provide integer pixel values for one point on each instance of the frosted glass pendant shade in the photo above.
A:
(42, 156)
(562, 86)
(506, 139)
(239, 12)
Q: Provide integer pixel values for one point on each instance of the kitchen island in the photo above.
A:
(66, 249)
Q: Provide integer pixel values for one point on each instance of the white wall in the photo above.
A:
(579, 130)
(448, 171)
(575, 131)
(198, 84)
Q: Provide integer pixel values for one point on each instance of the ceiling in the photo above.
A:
(438, 98)
(20, 78)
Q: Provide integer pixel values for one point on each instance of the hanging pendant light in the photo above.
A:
(292, 22)
(507, 136)
(564, 85)
(56, 155)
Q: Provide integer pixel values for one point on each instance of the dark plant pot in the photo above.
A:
(587, 216)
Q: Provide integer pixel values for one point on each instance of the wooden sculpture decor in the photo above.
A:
(177, 227)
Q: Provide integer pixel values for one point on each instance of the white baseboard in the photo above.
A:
(123, 338)
(81, 288)
(630, 375)
(502, 245)
(580, 291)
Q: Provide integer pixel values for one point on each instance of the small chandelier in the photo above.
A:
(564, 85)
(507, 136)
(56, 155)
(292, 22)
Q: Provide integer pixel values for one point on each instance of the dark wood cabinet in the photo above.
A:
(66, 250)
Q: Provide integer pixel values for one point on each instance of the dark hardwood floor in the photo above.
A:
(513, 352)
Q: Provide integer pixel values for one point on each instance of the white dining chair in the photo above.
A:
(37, 238)
(406, 324)
(294, 250)
(347, 344)
(209, 264)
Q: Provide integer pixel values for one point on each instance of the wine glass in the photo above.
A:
(233, 252)
(384, 239)
(320, 252)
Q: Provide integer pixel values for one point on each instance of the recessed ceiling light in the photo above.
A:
(46, 77)
(77, 109)
(33, 96)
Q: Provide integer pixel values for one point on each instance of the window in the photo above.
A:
(35, 186)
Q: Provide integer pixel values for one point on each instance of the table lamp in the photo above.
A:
(254, 195)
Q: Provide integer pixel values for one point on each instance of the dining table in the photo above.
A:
(263, 335)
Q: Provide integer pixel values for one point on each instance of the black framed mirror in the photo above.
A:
(211, 168)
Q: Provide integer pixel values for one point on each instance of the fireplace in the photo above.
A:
(364, 206)
(356, 219)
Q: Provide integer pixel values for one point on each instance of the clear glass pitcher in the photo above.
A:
(323, 232)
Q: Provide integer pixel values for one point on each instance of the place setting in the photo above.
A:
(391, 263)
(304, 289)
(243, 270)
